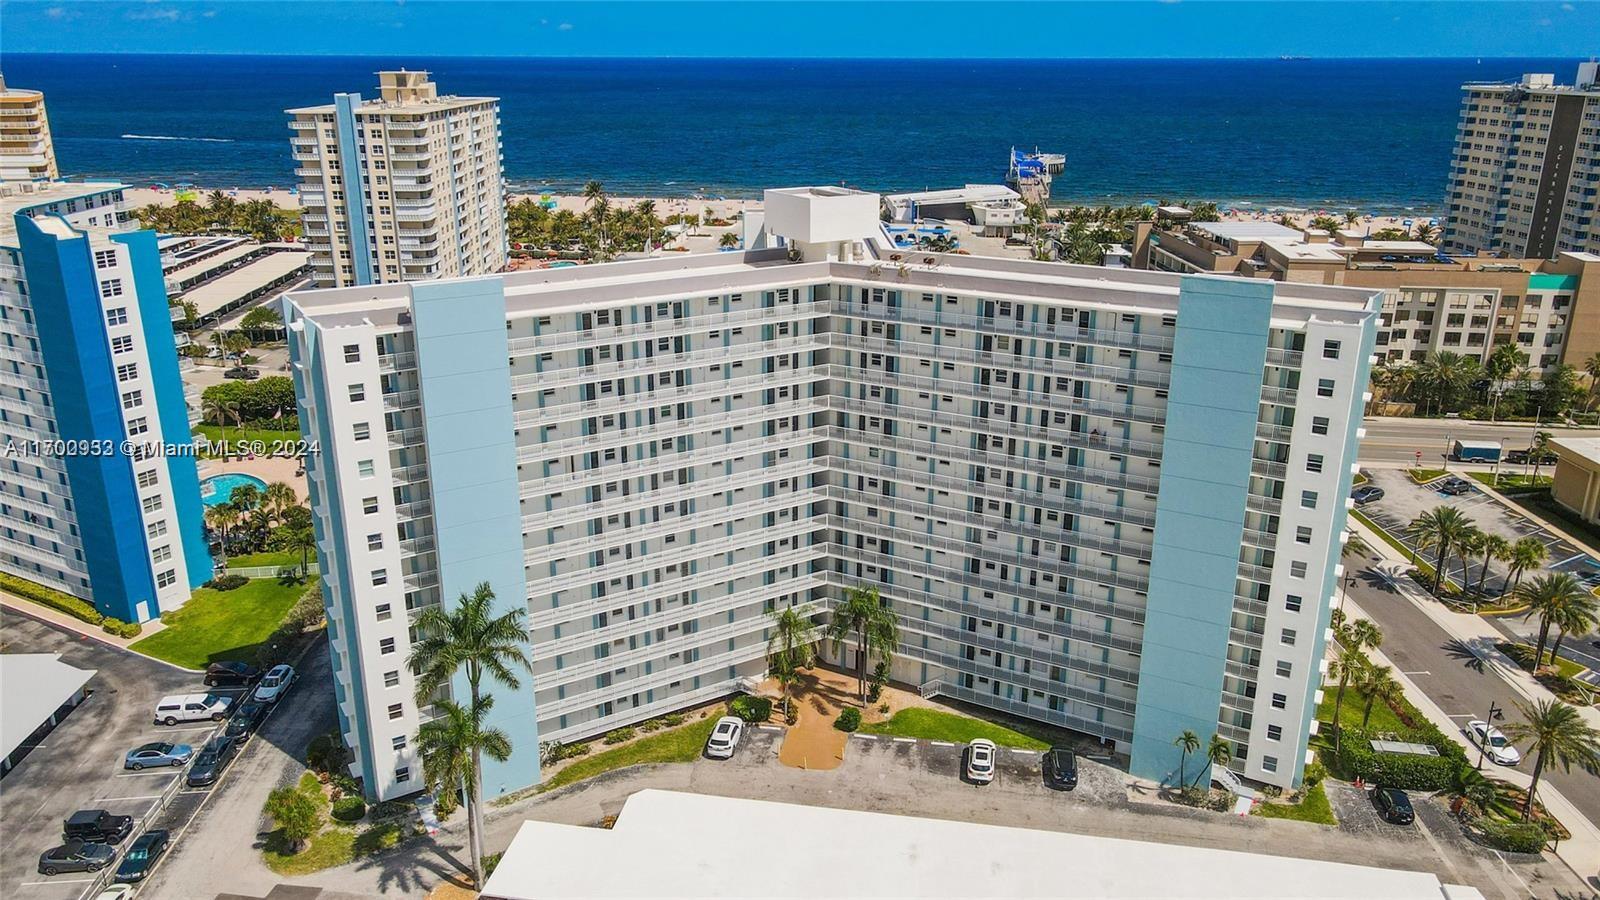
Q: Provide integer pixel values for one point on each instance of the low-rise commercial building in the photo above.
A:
(996, 209)
(1576, 483)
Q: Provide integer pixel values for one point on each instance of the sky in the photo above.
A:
(771, 28)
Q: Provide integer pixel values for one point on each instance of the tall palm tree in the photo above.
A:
(1347, 666)
(1536, 452)
(1494, 547)
(1470, 545)
(279, 497)
(1526, 554)
(470, 637)
(220, 411)
(1441, 529)
(452, 747)
(1551, 596)
(1577, 618)
(221, 517)
(1364, 634)
(1504, 361)
(246, 497)
(304, 540)
(1218, 753)
(1355, 545)
(789, 649)
(1376, 683)
(1557, 734)
(863, 615)
(1591, 366)
(1188, 742)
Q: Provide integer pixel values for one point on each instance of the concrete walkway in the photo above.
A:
(1582, 851)
(78, 626)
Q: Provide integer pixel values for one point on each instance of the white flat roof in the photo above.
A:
(1586, 448)
(1248, 231)
(214, 295)
(671, 844)
(1298, 249)
(972, 193)
(32, 686)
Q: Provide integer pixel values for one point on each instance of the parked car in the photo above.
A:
(142, 855)
(1367, 493)
(274, 684)
(213, 758)
(115, 892)
(231, 673)
(725, 737)
(191, 708)
(76, 856)
(246, 719)
(1493, 742)
(1524, 457)
(1061, 768)
(1455, 487)
(1394, 806)
(245, 373)
(95, 826)
(159, 753)
(981, 760)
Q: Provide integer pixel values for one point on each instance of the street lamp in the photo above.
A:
(1483, 744)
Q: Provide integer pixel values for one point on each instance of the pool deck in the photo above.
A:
(266, 468)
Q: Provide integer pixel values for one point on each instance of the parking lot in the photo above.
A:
(79, 764)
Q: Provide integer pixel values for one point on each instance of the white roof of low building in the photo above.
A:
(675, 844)
(223, 290)
(32, 686)
(1585, 448)
(972, 193)
(1248, 231)
(1300, 250)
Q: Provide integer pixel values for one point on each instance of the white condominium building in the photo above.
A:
(1108, 500)
(26, 152)
(1526, 168)
(406, 187)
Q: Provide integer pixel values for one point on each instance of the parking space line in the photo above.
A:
(165, 770)
(127, 799)
(57, 881)
(769, 728)
(900, 740)
(865, 737)
(1424, 672)
(1024, 752)
(1564, 561)
(941, 743)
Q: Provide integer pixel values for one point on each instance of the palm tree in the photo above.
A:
(1592, 367)
(1346, 667)
(304, 540)
(1536, 452)
(1470, 545)
(246, 498)
(1551, 596)
(471, 637)
(221, 517)
(1363, 634)
(1555, 733)
(1355, 545)
(1424, 231)
(280, 496)
(1441, 529)
(1376, 683)
(1527, 553)
(1188, 742)
(789, 649)
(1493, 547)
(873, 624)
(728, 239)
(1505, 360)
(1577, 618)
(1218, 753)
(1472, 792)
(452, 747)
(220, 411)
(594, 194)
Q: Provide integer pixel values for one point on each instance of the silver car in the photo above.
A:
(159, 753)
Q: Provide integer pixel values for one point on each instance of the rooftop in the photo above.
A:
(21, 196)
(32, 686)
(1585, 448)
(219, 292)
(676, 845)
(972, 193)
(1247, 231)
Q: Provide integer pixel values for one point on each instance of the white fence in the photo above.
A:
(270, 571)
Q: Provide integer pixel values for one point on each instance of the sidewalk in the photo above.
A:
(78, 626)
(1580, 852)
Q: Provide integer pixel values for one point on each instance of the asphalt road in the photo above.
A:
(1391, 440)
(1452, 675)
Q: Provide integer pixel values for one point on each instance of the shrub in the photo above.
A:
(649, 725)
(1513, 837)
(392, 809)
(349, 809)
(849, 719)
(445, 804)
(1272, 791)
(752, 709)
(571, 751)
(56, 600)
(120, 628)
(227, 582)
(672, 720)
(489, 862)
(1401, 770)
(1313, 776)
(618, 736)
(326, 753)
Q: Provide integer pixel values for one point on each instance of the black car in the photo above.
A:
(213, 758)
(231, 673)
(1394, 805)
(142, 855)
(245, 373)
(245, 720)
(1367, 493)
(76, 856)
(1455, 487)
(1061, 769)
(1524, 457)
(96, 826)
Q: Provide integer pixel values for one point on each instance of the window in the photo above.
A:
(111, 287)
(1285, 669)
(122, 343)
(149, 478)
(364, 468)
(1280, 701)
(1293, 602)
(402, 774)
(1302, 534)
(1288, 637)
(167, 578)
(1308, 499)
(1330, 349)
(1274, 733)
(1297, 569)
(391, 678)
(396, 710)
(1319, 424)
(151, 503)
(362, 431)
(1313, 462)
(105, 259)
(138, 425)
(380, 577)
(384, 612)
(156, 529)
(398, 742)
(1269, 764)
(386, 646)
(161, 553)
(127, 371)
(375, 542)
(358, 393)
(1324, 387)
(117, 315)
(132, 399)
(370, 506)
(352, 353)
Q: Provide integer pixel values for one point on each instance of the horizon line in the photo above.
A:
(1284, 57)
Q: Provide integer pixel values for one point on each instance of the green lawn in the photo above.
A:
(681, 744)
(335, 845)
(223, 625)
(1522, 654)
(1423, 476)
(1313, 807)
(1508, 482)
(234, 436)
(937, 725)
(284, 558)
(1383, 718)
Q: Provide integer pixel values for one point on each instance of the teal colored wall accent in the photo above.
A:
(465, 380)
(1218, 354)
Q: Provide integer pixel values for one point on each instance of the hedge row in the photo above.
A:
(38, 593)
(1402, 770)
(1513, 837)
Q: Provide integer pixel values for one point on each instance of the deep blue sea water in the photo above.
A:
(1336, 133)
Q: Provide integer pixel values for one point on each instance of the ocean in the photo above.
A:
(1369, 134)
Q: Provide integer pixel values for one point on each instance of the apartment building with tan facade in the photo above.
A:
(408, 186)
(1525, 173)
(26, 151)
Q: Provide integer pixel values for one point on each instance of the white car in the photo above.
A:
(1493, 742)
(980, 761)
(724, 737)
(115, 892)
(274, 684)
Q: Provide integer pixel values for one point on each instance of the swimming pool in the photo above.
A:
(218, 489)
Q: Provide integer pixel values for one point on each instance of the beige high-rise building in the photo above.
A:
(405, 187)
(26, 151)
(1526, 164)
